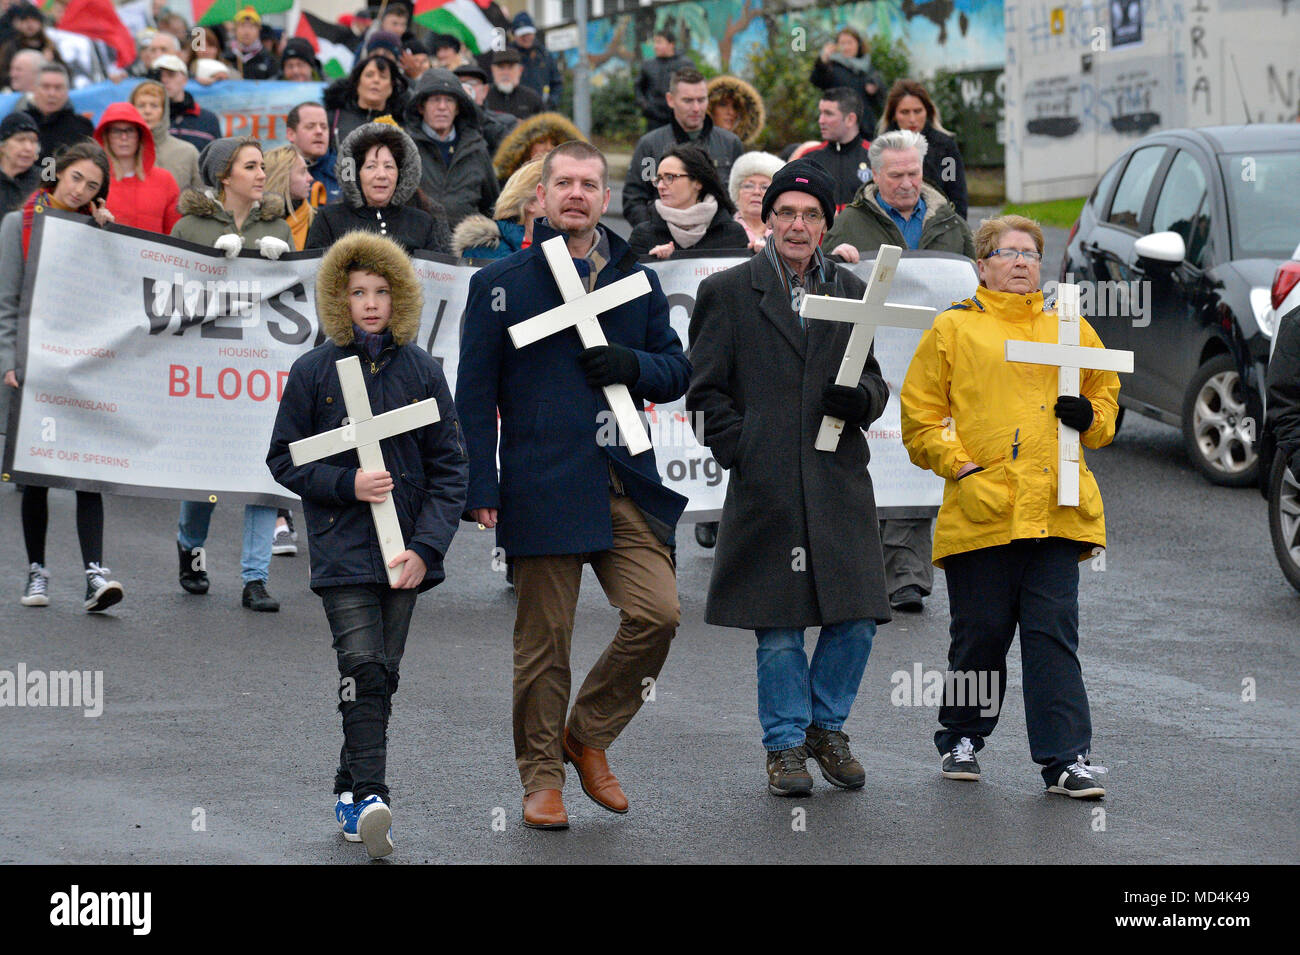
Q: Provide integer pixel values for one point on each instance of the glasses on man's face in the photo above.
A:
(812, 217)
(753, 187)
(1010, 255)
(668, 178)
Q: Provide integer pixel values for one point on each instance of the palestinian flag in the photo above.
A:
(327, 40)
(464, 19)
(207, 12)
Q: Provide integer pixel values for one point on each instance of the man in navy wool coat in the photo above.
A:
(567, 493)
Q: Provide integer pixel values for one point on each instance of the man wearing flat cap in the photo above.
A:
(508, 94)
(798, 545)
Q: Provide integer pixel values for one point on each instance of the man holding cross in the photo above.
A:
(570, 490)
(369, 302)
(1009, 551)
(798, 545)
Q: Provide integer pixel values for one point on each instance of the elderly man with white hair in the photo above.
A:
(898, 208)
(155, 43)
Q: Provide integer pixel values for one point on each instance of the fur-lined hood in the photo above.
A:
(353, 150)
(195, 202)
(377, 254)
(514, 149)
(752, 116)
(475, 231)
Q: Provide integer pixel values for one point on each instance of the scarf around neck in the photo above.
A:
(688, 225)
(370, 343)
(859, 64)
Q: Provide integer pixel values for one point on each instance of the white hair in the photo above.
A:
(895, 141)
(169, 38)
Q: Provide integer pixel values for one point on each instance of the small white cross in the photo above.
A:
(580, 310)
(1069, 357)
(866, 314)
(362, 433)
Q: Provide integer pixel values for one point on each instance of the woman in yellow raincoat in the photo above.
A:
(1009, 553)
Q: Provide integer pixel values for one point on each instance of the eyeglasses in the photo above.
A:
(121, 130)
(788, 216)
(1010, 255)
(753, 187)
(668, 178)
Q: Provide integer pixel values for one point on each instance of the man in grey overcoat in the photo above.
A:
(798, 545)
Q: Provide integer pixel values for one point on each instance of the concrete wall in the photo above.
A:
(1082, 85)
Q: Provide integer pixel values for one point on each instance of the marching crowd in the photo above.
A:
(424, 147)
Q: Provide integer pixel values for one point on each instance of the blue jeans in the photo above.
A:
(369, 623)
(259, 529)
(793, 695)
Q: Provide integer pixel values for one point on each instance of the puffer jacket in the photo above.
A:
(866, 226)
(468, 183)
(147, 199)
(204, 220)
(429, 467)
(962, 401)
(191, 123)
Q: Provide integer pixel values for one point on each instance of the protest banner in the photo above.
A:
(158, 370)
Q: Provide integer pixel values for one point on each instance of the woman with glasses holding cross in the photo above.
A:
(1009, 552)
(693, 210)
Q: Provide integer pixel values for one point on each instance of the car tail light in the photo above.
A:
(1288, 274)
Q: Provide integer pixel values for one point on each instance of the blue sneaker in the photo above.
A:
(369, 821)
(341, 807)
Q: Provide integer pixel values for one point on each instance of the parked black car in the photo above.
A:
(1279, 452)
(1180, 241)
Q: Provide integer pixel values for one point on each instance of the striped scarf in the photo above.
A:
(816, 278)
(40, 201)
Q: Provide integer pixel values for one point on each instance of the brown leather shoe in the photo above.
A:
(593, 773)
(544, 809)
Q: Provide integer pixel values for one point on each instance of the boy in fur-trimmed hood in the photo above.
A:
(368, 301)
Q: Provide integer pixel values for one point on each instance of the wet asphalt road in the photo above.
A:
(218, 732)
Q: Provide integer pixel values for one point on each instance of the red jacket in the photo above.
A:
(142, 203)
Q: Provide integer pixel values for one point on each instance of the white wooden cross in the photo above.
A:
(362, 433)
(866, 314)
(581, 309)
(1069, 357)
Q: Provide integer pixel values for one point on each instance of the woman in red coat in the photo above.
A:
(143, 195)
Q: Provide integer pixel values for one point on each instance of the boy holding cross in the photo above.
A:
(368, 301)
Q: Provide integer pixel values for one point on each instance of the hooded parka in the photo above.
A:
(428, 465)
(519, 142)
(146, 199)
(962, 401)
(467, 183)
(408, 226)
(204, 220)
(751, 115)
(798, 544)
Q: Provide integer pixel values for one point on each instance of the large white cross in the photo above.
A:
(1069, 357)
(866, 314)
(581, 309)
(362, 433)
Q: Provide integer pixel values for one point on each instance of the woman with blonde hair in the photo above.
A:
(478, 237)
(288, 177)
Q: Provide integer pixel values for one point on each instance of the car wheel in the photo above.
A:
(1284, 519)
(1217, 429)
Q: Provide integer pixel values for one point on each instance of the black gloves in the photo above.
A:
(851, 405)
(610, 365)
(1074, 411)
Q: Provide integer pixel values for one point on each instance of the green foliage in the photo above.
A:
(614, 117)
(945, 90)
(891, 57)
(781, 77)
(1060, 213)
